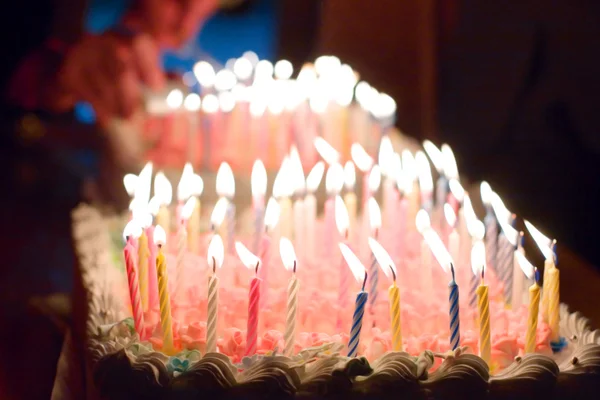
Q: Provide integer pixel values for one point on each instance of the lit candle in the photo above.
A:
(290, 262)
(144, 220)
(519, 275)
(423, 225)
(534, 303)
(445, 260)
(389, 269)
(359, 272)
(491, 226)
(374, 181)
(453, 238)
(350, 197)
(363, 162)
(313, 181)
(399, 242)
(326, 151)
(342, 222)
(258, 185)
(153, 302)
(164, 192)
(180, 279)
(132, 229)
(386, 162)
(334, 180)
(252, 262)
(271, 220)
(130, 182)
(160, 238)
(411, 188)
(441, 186)
(282, 191)
(483, 307)
(298, 182)
(375, 222)
(192, 105)
(215, 256)
(477, 231)
(226, 189)
(507, 244)
(425, 181)
(183, 190)
(450, 167)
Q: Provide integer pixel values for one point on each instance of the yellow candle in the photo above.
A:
(143, 253)
(165, 302)
(193, 228)
(350, 202)
(394, 296)
(483, 305)
(548, 264)
(532, 320)
(553, 302)
(285, 219)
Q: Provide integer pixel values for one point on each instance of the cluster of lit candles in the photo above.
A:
(256, 109)
(454, 236)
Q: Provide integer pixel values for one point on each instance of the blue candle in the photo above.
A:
(454, 308)
(359, 311)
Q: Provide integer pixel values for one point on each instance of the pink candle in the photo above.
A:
(253, 304)
(329, 216)
(134, 292)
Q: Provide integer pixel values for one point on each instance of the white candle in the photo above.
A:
(258, 185)
(423, 226)
(225, 187)
(215, 256)
(310, 207)
(282, 191)
(288, 257)
(334, 180)
(425, 181)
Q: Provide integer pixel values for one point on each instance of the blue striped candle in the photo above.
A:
(454, 308)
(359, 311)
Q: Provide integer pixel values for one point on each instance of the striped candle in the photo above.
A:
(134, 293)
(485, 349)
(357, 318)
(252, 327)
(554, 303)
(454, 312)
(292, 310)
(165, 302)
(394, 296)
(504, 260)
(532, 319)
(143, 254)
(373, 283)
(473, 292)
(212, 313)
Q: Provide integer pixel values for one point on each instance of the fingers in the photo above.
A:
(145, 58)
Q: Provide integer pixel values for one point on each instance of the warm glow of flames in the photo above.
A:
(358, 270)
(327, 65)
(298, 181)
(184, 188)
(334, 180)
(210, 104)
(450, 215)
(386, 157)
(314, 177)
(258, 179)
(283, 186)
(218, 214)
(174, 99)
(361, 158)
(374, 178)
(383, 259)
(543, 242)
(216, 252)
(349, 175)
(154, 205)
(326, 151)
(196, 185)
(424, 172)
(144, 182)
(283, 69)
(409, 167)
(525, 265)
(246, 256)
(435, 155)
(130, 183)
(192, 102)
(450, 168)
(205, 74)
(342, 219)
(272, 214)
(486, 193)
(374, 214)
(422, 221)
(225, 181)
(263, 71)
(476, 229)
(383, 106)
(457, 190)
(160, 237)
(132, 229)
(225, 80)
(287, 253)
(478, 258)
(188, 208)
(504, 217)
(365, 95)
(163, 189)
(141, 213)
(226, 101)
(242, 68)
(440, 252)
(468, 211)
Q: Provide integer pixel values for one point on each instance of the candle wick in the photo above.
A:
(482, 273)
(393, 273)
(294, 266)
(214, 264)
(452, 270)
(365, 281)
(256, 268)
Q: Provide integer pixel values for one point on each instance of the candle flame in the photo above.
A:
(272, 214)
(374, 179)
(160, 237)
(263, 71)
(342, 219)
(188, 208)
(246, 256)
(358, 270)
(334, 180)
(468, 210)
(174, 99)
(130, 182)
(450, 215)
(283, 184)
(478, 258)
(314, 177)
(327, 65)
(476, 229)
(163, 189)
(409, 168)
(525, 265)
(422, 221)
(486, 193)
(192, 102)
(435, 155)
(225, 80)
(184, 187)
(154, 205)
(283, 69)
(258, 179)
(440, 252)
(298, 180)
(225, 181)
(543, 242)
(457, 190)
(504, 216)
(326, 151)
(365, 95)
(141, 214)
(383, 106)
(424, 172)
(242, 68)
(210, 104)
(226, 101)
(196, 185)
(361, 158)
(218, 213)
(386, 157)
(383, 259)
(144, 182)
(288, 255)
(374, 214)
(132, 229)
(205, 73)
(349, 175)
(450, 167)
(216, 252)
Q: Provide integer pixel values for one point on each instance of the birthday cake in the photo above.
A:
(414, 299)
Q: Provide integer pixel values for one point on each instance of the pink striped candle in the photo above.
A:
(253, 303)
(134, 291)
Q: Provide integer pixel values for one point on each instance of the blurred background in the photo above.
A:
(512, 88)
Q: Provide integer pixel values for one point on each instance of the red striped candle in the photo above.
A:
(134, 292)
